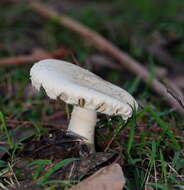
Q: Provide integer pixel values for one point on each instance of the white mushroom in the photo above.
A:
(86, 91)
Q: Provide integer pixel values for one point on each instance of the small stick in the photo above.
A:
(104, 45)
(37, 55)
(14, 123)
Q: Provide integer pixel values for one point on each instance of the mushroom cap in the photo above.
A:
(80, 87)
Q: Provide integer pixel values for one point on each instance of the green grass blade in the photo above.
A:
(158, 186)
(134, 85)
(55, 168)
(163, 166)
(2, 164)
(56, 181)
(166, 128)
(5, 149)
(131, 139)
(5, 129)
(40, 162)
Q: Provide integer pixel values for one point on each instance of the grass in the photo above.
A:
(151, 142)
(42, 180)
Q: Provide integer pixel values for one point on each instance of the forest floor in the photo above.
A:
(35, 152)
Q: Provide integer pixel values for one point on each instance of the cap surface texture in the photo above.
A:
(78, 86)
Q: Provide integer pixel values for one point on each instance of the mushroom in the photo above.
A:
(86, 91)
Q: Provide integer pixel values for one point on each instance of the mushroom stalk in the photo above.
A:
(83, 123)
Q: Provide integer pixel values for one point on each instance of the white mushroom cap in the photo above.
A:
(78, 86)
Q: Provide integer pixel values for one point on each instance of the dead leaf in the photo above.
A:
(87, 165)
(107, 178)
(148, 187)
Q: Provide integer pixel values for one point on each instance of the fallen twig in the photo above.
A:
(158, 50)
(14, 123)
(179, 100)
(37, 55)
(102, 44)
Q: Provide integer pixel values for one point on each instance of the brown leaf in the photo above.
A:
(87, 165)
(107, 178)
(148, 187)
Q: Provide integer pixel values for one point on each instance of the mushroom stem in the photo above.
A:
(83, 123)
